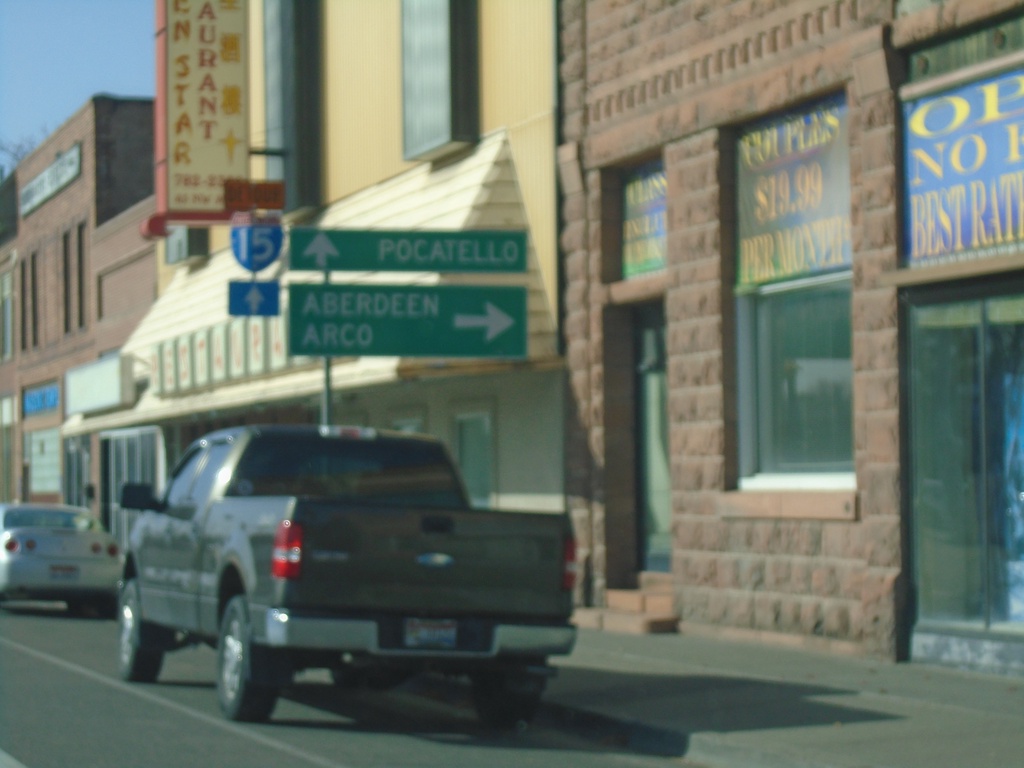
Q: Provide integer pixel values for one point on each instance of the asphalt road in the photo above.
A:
(62, 705)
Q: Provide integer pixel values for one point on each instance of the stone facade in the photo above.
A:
(647, 79)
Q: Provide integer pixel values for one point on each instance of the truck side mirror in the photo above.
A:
(139, 496)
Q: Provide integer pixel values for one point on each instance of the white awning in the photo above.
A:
(480, 191)
(294, 385)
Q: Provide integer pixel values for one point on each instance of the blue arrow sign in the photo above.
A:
(251, 298)
(257, 246)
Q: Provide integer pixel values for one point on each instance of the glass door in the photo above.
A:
(967, 462)
(654, 489)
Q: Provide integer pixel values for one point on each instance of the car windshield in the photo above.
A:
(50, 518)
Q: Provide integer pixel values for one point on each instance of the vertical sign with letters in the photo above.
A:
(205, 102)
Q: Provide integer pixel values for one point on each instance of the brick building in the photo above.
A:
(792, 236)
(76, 277)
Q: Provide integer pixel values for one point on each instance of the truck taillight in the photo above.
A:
(286, 561)
(569, 566)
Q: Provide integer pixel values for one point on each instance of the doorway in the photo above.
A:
(653, 487)
(966, 433)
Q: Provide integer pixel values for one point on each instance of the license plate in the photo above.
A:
(64, 572)
(431, 633)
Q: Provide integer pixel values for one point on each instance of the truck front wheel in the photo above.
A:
(240, 698)
(138, 659)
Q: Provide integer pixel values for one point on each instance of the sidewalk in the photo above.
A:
(730, 705)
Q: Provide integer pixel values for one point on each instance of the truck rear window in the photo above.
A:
(382, 470)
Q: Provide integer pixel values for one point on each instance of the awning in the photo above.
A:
(480, 191)
(294, 385)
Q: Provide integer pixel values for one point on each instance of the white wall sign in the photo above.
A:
(61, 172)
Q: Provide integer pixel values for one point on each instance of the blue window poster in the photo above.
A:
(964, 172)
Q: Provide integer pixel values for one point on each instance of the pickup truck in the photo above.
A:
(294, 547)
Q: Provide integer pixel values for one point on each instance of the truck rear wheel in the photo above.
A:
(505, 699)
(138, 659)
(240, 698)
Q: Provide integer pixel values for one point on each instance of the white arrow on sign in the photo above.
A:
(493, 319)
(321, 248)
(254, 298)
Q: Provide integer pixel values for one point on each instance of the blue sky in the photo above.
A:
(56, 54)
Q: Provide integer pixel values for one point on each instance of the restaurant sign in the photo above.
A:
(964, 172)
(229, 352)
(204, 104)
(793, 195)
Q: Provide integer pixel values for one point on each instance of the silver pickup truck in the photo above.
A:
(354, 550)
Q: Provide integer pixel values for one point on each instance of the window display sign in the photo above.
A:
(793, 195)
(964, 172)
(643, 220)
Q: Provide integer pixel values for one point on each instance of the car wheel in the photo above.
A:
(240, 698)
(136, 662)
(505, 699)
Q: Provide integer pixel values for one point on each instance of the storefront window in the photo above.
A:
(967, 467)
(473, 446)
(796, 380)
(43, 455)
(793, 295)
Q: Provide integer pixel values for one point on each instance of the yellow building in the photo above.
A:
(399, 116)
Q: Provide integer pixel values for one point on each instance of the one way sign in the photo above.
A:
(248, 298)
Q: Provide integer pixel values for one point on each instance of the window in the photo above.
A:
(80, 280)
(293, 99)
(208, 475)
(473, 444)
(23, 306)
(796, 378)
(34, 298)
(179, 491)
(380, 471)
(440, 77)
(66, 279)
(43, 455)
(6, 316)
(8, 464)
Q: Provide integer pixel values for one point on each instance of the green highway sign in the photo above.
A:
(332, 320)
(397, 251)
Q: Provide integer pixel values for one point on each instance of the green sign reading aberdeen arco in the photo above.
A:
(407, 251)
(406, 320)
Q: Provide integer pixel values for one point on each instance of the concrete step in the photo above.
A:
(641, 600)
(626, 622)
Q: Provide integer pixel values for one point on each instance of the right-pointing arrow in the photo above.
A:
(493, 319)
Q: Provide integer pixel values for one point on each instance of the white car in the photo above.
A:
(58, 552)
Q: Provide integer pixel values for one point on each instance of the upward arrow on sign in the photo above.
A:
(321, 250)
(412, 251)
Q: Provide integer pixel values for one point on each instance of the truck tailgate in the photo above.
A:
(431, 562)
